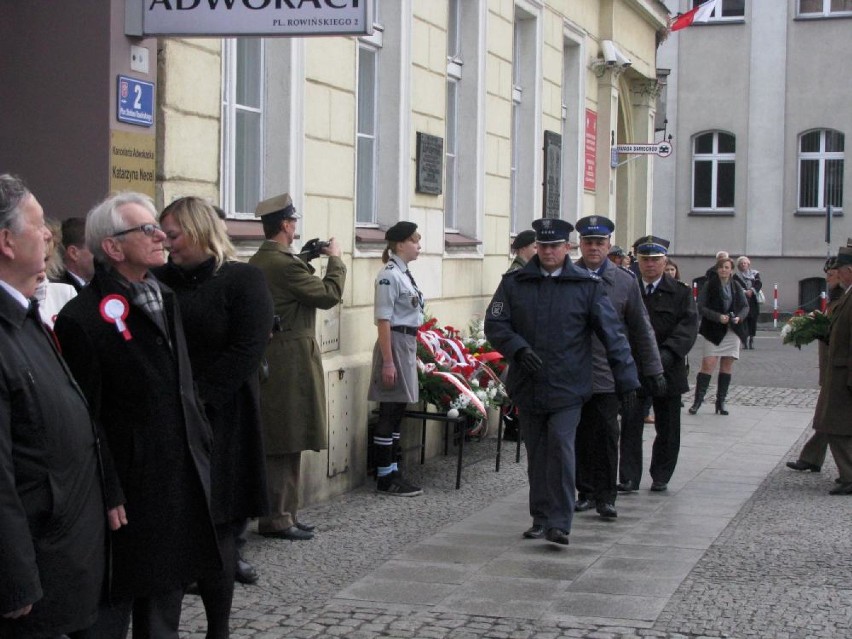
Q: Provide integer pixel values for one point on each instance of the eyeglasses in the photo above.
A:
(147, 229)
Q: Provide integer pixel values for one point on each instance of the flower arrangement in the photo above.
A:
(455, 378)
(804, 329)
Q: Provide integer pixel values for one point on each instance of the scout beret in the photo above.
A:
(524, 238)
(400, 231)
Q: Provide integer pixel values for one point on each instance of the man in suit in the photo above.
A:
(123, 339)
(835, 395)
(597, 433)
(77, 259)
(52, 515)
(292, 398)
(674, 317)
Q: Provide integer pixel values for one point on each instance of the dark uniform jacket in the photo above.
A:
(141, 392)
(52, 512)
(293, 402)
(555, 316)
(674, 317)
(67, 278)
(227, 319)
(625, 296)
(711, 307)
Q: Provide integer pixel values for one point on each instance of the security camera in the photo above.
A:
(621, 59)
(610, 53)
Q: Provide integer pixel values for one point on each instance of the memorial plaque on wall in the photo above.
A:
(430, 163)
(552, 174)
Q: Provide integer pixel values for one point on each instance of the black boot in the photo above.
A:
(751, 343)
(702, 382)
(722, 393)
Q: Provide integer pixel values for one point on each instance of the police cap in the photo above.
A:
(651, 246)
(524, 238)
(549, 230)
(617, 251)
(400, 231)
(595, 226)
(279, 204)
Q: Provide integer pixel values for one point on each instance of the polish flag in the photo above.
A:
(701, 13)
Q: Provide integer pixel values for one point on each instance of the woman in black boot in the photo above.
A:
(722, 305)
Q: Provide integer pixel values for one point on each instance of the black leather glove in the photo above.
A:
(312, 249)
(528, 360)
(629, 402)
(657, 385)
(668, 358)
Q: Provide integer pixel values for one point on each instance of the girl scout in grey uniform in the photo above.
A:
(398, 311)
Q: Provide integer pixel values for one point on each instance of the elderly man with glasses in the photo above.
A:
(123, 339)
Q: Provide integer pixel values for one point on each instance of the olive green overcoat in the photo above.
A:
(835, 395)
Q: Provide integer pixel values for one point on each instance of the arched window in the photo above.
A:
(713, 164)
(820, 170)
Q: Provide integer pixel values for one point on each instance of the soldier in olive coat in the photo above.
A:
(292, 398)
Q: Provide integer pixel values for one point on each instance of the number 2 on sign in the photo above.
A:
(137, 103)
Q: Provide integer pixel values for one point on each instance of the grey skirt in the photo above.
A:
(407, 389)
(728, 347)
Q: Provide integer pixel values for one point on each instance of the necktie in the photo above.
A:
(416, 288)
(33, 313)
(649, 289)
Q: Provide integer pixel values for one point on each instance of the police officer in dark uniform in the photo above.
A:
(674, 317)
(597, 434)
(542, 318)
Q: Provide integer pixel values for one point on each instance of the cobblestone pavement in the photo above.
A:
(781, 568)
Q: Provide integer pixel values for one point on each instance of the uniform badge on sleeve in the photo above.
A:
(497, 309)
(384, 282)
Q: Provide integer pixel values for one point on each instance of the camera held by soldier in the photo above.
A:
(313, 248)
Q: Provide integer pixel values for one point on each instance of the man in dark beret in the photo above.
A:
(523, 246)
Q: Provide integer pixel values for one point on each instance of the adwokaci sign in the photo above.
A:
(224, 18)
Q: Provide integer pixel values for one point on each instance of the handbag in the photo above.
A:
(761, 298)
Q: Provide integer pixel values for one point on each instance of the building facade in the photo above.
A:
(469, 117)
(759, 105)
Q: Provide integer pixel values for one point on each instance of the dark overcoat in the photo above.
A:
(674, 317)
(293, 402)
(158, 442)
(227, 319)
(711, 307)
(556, 317)
(834, 405)
(52, 512)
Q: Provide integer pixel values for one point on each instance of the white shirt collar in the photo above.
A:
(655, 283)
(555, 273)
(77, 278)
(16, 294)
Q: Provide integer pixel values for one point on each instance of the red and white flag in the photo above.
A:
(701, 13)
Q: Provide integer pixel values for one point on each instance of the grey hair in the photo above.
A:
(13, 192)
(741, 259)
(105, 220)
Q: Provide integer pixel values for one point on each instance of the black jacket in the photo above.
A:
(142, 395)
(52, 512)
(227, 319)
(711, 307)
(673, 315)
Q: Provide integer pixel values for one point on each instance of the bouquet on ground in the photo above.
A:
(805, 328)
(452, 377)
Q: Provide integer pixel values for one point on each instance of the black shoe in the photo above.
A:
(191, 589)
(292, 533)
(395, 485)
(659, 486)
(842, 489)
(557, 536)
(245, 572)
(803, 465)
(607, 511)
(536, 531)
(305, 527)
(582, 505)
(628, 486)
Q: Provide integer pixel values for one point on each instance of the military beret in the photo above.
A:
(651, 246)
(400, 231)
(279, 204)
(595, 226)
(524, 238)
(551, 230)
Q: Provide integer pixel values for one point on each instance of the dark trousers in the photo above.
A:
(386, 434)
(666, 444)
(841, 450)
(814, 450)
(597, 448)
(217, 588)
(154, 617)
(549, 439)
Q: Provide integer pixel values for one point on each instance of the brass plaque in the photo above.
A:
(132, 162)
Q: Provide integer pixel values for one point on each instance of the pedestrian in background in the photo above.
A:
(78, 264)
(398, 312)
(227, 318)
(672, 269)
(723, 307)
(523, 246)
(293, 401)
(541, 318)
(749, 279)
(674, 319)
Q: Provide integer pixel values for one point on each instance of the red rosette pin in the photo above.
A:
(114, 310)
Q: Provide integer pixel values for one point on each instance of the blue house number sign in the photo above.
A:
(135, 101)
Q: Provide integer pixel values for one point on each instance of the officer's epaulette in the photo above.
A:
(390, 266)
(682, 283)
(595, 277)
(627, 270)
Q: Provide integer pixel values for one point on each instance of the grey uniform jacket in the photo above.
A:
(624, 294)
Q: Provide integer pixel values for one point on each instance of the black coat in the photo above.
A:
(52, 512)
(711, 307)
(674, 318)
(141, 392)
(227, 318)
(67, 278)
(556, 316)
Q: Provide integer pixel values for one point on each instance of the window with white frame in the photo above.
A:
(525, 158)
(713, 172)
(726, 10)
(454, 76)
(366, 160)
(821, 170)
(816, 8)
(242, 125)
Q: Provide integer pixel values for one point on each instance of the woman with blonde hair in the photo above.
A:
(227, 317)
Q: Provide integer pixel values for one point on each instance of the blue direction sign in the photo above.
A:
(135, 101)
